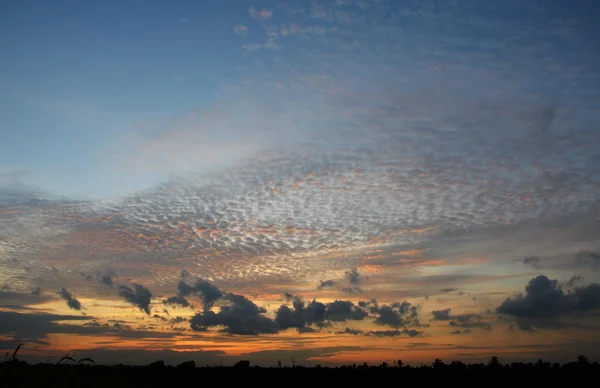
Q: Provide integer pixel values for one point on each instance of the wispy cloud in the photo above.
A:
(262, 14)
(240, 29)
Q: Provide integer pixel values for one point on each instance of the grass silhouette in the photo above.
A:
(85, 373)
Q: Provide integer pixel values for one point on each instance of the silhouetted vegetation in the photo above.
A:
(14, 372)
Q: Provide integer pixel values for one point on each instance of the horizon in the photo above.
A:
(334, 181)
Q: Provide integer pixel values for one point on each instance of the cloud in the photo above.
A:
(71, 302)
(588, 259)
(574, 280)
(394, 333)
(177, 300)
(36, 291)
(350, 331)
(304, 314)
(202, 288)
(354, 279)
(465, 331)
(240, 29)
(395, 315)
(178, 319)
(107, 279)
(36, 326)
(326, 284)
(381, 333)
(301, 314)
(263, 14)
(349, 284)
(344, 310)
(545, 301)
(139, 296)
(241, 317)
(460, 320)
(533, 261)
(22, 301)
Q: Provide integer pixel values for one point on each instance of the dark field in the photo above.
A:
(19, 374)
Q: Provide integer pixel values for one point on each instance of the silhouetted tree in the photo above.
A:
(582, 360)
(541, 364)
(494, 363)
(458, 365)
(438, 364)
(187, 365)
(242, 364)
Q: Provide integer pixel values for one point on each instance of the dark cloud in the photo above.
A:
(354, 277)
(306, 329)
(35, 327)
(344, 310)
(460, 320)
(441, 315)
(355, 280)
(544, 302)
(87, 277)
(178, 319)
(395, 315)
(588, 259)
(350, 331)
(411, 332)
(304, 314)
(36, 291)
(465, 331)
(326, 284)
(447, 290)
(241, 317)
(541, 120)
(177, 300)
(381, 333)
(349, 285)
(139, 296)
(574, 280)
(107, 279)
(385, 333)
(201, 288)
(17, 300)
(533, 261)
(71, 302)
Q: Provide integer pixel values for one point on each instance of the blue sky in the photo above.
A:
(75, 75)
(440, 153)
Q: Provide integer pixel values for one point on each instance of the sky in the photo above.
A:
(311, 182)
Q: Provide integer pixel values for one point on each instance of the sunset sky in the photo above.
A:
(315, 182)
